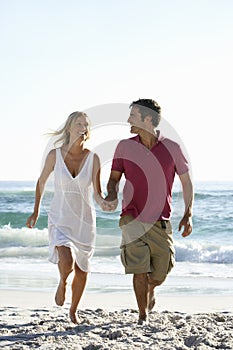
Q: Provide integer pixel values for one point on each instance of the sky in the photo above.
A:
(61, 56)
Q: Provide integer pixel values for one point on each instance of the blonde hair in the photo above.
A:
(64, 131)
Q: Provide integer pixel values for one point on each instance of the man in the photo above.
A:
(149, 163)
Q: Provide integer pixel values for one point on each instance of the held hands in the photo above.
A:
(110, 202)
(186, 222)
(31, 221)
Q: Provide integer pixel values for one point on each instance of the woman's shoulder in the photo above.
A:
(93, 157)
(93, 154)
(52, 154)
(90, 153)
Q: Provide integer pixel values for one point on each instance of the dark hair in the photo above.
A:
(148, 107)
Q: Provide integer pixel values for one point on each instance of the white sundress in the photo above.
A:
(72, 217)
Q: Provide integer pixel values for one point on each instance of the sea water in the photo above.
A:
(204, 260)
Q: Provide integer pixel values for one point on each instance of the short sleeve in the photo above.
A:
(181, 163)
(117, 162)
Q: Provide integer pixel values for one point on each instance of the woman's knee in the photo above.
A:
(66, 260)
(79, 272)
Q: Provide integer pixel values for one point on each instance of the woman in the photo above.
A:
(71, 219)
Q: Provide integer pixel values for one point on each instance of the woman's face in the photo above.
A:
(79, 127)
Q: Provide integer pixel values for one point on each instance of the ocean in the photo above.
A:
(204, 260)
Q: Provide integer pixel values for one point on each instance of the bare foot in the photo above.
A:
(143, 320)
(60, 294)
(151, 303)
(73, 317)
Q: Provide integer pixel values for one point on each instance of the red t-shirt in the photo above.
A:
(147, 194)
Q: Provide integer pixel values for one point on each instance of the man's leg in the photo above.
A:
(78, 285)
(151, 293)
(144, 290)
(140, 283)
(65, 266)
(162, 257)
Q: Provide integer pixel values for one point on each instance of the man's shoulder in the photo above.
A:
(169, 142)
(176, 149)
(124, 142)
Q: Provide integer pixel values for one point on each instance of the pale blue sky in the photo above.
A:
(61, 56)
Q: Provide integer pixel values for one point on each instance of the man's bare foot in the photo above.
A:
(151, 302)
(60, 294)
(73, 317)
(143, 320)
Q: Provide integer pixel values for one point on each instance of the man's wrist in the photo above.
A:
(112, 195)
(188, 215)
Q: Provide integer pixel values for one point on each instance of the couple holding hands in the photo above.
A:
(149, 162)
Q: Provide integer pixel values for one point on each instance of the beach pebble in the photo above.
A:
(93, 347)
(112, 334)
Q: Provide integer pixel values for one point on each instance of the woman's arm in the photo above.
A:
(98, 196)
(48, 168)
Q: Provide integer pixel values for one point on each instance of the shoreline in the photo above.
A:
(116, 301)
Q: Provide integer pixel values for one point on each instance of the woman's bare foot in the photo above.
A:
(60, 294)
(73, 317)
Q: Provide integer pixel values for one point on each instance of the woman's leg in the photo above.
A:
(65, 266)
(78, 285)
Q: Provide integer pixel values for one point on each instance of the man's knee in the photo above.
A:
(154, 283)
(140, 276)
(140, 279)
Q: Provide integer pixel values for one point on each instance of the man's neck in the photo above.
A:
(148, 138)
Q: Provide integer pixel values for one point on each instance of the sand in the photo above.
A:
(30, 320)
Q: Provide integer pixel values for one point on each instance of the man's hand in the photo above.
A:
(187, 188)
(111, 201)
(186, 222)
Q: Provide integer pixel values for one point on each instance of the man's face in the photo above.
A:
(135, 120)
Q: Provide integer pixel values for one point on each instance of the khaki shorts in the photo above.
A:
(152, 253)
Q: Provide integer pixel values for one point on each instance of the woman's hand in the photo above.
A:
(110, 203)
(31, 221)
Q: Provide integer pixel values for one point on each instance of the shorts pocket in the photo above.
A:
(168, 228)
(172, 260)
(125, 220)
(123, 256)
(121, 221)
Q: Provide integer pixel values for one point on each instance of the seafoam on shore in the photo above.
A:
(50, 328)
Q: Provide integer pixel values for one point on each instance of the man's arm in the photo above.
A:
(112, 188)
(187, 188)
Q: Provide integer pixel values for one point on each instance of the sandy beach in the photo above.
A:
(30, 320)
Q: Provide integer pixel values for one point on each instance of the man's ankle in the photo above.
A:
(143, 316)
